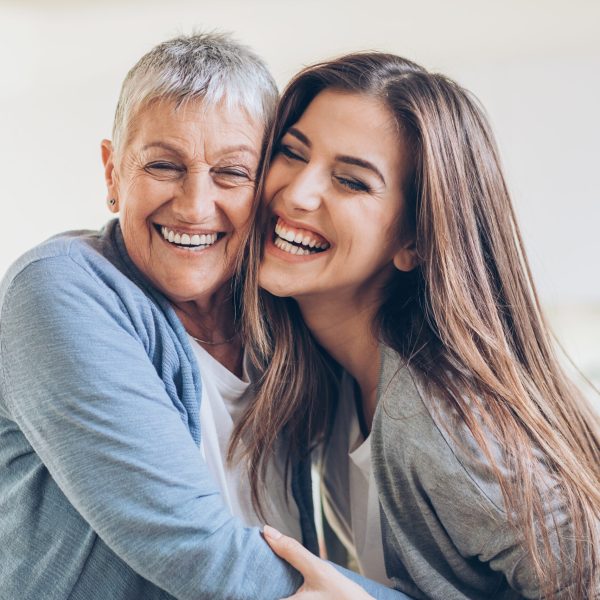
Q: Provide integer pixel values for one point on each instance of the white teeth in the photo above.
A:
(195, 240)
(298, 237)
(290, 248)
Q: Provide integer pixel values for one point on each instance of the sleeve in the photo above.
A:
(81, 387)
(479, 527)
(377, 590)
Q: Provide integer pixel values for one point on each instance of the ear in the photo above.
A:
(406, 258)
(110, 176)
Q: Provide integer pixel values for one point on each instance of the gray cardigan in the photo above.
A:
(445, 532)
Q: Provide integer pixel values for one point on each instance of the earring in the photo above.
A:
(111, 202)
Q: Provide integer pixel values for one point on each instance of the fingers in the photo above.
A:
(295, 553)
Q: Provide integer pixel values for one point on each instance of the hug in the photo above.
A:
(331, 282)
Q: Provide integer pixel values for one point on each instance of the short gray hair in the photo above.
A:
(211, 67)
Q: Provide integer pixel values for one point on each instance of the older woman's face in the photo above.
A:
(184, 185)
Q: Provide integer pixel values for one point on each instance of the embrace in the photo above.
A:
(328, 286)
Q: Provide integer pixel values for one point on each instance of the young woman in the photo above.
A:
(405, 334)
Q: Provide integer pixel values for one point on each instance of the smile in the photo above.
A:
(298, 241)
(196, 241)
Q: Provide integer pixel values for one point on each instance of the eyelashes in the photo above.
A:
(353, 184)
(232, 173)
(289, 153)
(163, 166)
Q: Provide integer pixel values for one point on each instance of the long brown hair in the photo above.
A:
(468, 318)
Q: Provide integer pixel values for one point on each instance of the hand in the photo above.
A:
(321, 580)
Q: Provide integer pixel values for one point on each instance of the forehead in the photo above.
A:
(193, 122)
(355, 119)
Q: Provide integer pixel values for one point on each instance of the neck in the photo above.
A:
(345, 331)
(211, 321)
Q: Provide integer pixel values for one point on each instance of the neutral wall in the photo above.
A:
(534, 64)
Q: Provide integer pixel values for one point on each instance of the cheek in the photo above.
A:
(240, 216)
(141, 196)
(236, 206)
(367, 234)
(132, 224)
(276, 178)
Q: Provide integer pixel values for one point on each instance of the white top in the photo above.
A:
(351, 501)
(223, 403)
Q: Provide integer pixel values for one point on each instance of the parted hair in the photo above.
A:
(467, 317)
(211, 67)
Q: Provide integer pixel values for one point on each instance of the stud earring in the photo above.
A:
(111, 202)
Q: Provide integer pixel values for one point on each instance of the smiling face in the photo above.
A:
(334, 190)
(183, 185)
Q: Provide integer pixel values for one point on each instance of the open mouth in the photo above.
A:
(297, 241)
(188, 241)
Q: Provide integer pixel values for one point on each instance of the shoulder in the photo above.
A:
(72, 264)
(71, 294)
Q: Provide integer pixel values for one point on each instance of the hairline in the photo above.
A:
(129, 128)
(211, 68)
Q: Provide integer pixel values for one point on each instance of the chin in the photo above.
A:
(184, 292)
(274, 281)
(277, 293)
(280, 291)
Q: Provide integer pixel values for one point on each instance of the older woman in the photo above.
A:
(118, 345)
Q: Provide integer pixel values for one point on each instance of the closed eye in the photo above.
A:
(289, 153)
(353, 184)
(163, 166)
(230, 172)
(230, 177)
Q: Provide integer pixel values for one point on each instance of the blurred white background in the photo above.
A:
(535, 65)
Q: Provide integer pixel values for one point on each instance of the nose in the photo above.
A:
(304, 191)
(197, 199)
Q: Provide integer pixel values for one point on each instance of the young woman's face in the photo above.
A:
(334, 191)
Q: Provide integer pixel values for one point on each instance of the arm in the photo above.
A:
(324, 580)
(79, 383)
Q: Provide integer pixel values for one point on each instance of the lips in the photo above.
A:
(295, 240)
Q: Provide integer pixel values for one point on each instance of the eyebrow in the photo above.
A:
(300, 136)
(359, 162)
(162, 145)
(343, 158)
(228, 150)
